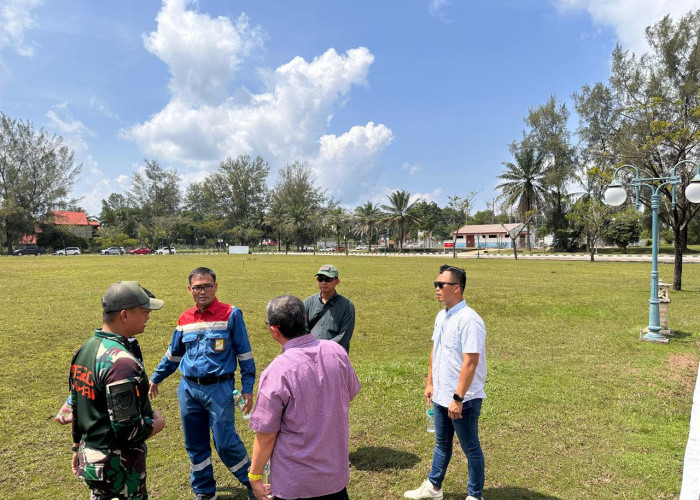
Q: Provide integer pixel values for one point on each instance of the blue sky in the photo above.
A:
(420, 95)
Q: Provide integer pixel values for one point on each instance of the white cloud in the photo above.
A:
(202, 53)
(15, 19)
(68, 127)
(346, 164)
(411, 168)
(91, 182)
(210, 118)
(629, 18)
(436, 8)
(102, 108)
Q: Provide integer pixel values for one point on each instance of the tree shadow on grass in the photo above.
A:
(506, 493)
(378, 458)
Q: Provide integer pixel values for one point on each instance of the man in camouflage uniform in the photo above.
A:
(112, 415)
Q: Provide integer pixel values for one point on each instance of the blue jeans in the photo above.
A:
(467, 429)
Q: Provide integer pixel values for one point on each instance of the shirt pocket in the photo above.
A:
(190, 339)
(216, 342)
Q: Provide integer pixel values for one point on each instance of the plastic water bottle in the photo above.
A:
(266, 473)
(240, 402)
(430, 419)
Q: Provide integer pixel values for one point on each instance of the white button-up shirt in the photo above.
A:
(458, 331)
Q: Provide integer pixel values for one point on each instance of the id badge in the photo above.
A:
(219, 345)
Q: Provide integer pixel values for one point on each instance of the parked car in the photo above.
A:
(29, 250)
(113, 251)
(140, 251)
(361, 247)
(327, 249)
(68, 251)
(165, 251)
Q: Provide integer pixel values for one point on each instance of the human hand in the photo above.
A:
(74, 463)
(428, 394)
(454, 411)
(261, 491)
(248, 403)
(152, 390)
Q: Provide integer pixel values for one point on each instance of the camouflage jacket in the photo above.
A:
(109, 389)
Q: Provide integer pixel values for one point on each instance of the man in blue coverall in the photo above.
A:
(209, 341)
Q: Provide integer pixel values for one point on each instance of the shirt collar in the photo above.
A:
(109, 335)
(303, 341)
(335, 294)
(459, 305)
(209, 310)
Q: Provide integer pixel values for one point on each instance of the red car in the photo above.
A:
(140, 250)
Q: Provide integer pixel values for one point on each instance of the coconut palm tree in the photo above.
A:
(524, 184)
(366, 218)
(398, 213)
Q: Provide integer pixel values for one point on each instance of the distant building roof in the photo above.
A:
(94, 223)
(489, 228)
(70, 218)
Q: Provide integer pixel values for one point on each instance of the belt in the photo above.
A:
(211, 379)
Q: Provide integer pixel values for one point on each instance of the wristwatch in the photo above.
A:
(457, 397)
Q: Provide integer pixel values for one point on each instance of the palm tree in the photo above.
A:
(398, 213)
(366, 217)
(524, 184)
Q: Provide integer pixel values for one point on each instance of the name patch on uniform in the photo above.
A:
(219, 344)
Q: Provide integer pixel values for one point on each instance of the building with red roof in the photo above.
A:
(76, 222)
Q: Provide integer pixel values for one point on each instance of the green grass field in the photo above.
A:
(577, 407)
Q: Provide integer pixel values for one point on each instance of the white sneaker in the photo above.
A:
(474, 498)
(425, 490)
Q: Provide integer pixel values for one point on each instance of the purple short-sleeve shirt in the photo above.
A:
(304, 396)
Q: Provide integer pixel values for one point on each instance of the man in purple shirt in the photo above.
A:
(301, 413)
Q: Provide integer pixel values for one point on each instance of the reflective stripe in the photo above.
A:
(203, 325)
(244, 356)
(240, 464)
(170, 357)
(200, 465)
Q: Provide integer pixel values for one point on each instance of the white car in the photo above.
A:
(165, 251)
(68, 251)
(113, 251)
(361, 247)
(327, 249)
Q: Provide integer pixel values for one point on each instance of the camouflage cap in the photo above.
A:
(328, 270)
(128, 294)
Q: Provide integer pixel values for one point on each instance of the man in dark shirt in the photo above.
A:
(112, 416)
(330, 316)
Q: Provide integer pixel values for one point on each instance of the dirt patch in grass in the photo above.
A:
(682, 369)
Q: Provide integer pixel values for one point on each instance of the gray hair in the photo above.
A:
(287, 313)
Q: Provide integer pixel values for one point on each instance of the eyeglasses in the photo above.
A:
(202, 288)
(326, 279)
(441, 284)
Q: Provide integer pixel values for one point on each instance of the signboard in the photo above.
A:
(449, 244)
(238, 249)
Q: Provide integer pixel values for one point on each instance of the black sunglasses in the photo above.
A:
(326, 279)
(441, 284)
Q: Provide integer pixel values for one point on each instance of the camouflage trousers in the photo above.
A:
(117, 474)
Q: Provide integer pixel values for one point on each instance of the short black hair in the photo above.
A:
(201, 271)
(288, 314)
(109, 317)
(457, 273)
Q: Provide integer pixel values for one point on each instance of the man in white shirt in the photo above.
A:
(455, 385)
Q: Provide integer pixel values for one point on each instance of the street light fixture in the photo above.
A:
(615, 195)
